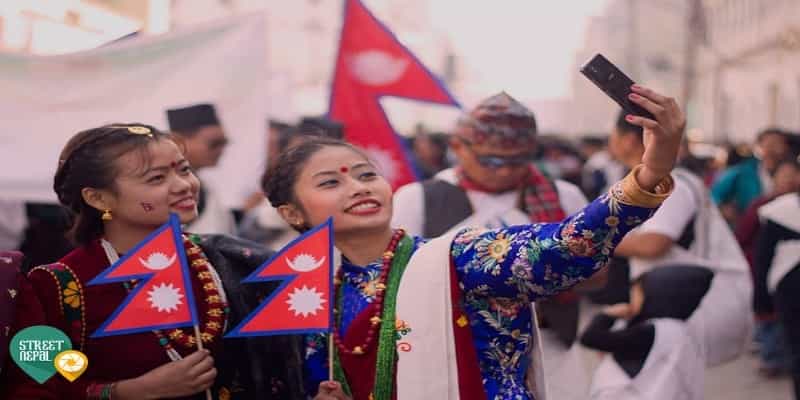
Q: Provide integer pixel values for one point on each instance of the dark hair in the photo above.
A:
(594, 140)
(279, 179)
(738, 153)
(674, 291)
(773, 131)
(87, 160)
(311, 127)
(623, 126)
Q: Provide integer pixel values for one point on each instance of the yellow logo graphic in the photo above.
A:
(71, 364)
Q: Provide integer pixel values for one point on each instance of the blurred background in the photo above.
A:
(731, 64)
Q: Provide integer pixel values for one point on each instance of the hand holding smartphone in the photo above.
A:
(614, 83)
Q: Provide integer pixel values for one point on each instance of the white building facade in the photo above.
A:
(750, 75)
(302, 39)
(645, 39)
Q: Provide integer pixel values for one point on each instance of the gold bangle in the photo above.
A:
(627, 191)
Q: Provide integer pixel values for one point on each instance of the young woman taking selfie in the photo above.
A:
(451, 317)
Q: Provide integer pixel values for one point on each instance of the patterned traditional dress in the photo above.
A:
(499, 272)
(56, 295)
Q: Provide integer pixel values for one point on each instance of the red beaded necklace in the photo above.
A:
(380, 291)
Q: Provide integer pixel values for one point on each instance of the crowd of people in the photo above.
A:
(500, 276)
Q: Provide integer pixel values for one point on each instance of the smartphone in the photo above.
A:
(614, 83)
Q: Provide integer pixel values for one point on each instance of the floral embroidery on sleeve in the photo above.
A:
(541, 259)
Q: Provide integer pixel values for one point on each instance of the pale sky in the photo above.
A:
(525, 46)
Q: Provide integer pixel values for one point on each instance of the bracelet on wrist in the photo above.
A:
(627, 191)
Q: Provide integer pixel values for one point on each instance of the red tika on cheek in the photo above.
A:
(147, 207)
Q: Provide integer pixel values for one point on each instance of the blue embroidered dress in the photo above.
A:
(501, 272)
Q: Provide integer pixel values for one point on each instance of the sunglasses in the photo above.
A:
(497, 162)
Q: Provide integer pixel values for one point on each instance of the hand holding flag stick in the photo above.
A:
(303, 303)
(163, 296)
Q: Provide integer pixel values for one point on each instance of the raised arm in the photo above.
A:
(541, 259)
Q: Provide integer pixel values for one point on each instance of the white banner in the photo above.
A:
(45, 100)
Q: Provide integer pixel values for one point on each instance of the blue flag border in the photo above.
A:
(287, 279)
(174, 223)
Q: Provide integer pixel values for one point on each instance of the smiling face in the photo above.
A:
(148, 187)
(339, 182)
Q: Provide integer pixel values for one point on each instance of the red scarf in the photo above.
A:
(539, 199)
(538, 196)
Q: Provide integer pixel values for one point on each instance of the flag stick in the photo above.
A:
(330, 356)
(200, 347)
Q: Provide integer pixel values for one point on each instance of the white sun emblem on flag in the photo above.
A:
(305, 301)
(384, 161)
(165, 297)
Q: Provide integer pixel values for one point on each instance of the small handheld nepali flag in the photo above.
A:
(162, 298)
(302, 303)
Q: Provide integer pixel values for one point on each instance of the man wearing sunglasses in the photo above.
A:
(495, 177)
(496, 184)
(205, 141)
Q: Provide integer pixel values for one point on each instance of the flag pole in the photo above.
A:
(199, 348)
(330, 356)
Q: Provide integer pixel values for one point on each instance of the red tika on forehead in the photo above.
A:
(344, 170)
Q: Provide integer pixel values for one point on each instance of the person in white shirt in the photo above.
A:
(653, 354)
(688, 230)
(205, 141)
(496, 184)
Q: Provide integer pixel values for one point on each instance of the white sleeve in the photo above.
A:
(673, 215)
(570, 196)
(409, 208)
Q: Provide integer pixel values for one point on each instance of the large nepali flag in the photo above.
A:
(163, 296)
(372, 63)
(302, 303)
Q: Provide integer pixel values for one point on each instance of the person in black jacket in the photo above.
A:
(777, 273)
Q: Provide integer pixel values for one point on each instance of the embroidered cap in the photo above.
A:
(500, 120)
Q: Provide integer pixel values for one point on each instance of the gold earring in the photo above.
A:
(106, 215)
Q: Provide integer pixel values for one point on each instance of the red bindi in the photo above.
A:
(173, 164)
(344, 170)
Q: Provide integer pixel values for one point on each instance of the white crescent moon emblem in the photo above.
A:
(303, 267)
(159, 265)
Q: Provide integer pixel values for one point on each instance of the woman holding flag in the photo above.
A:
(450, 318)
(122, 182)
